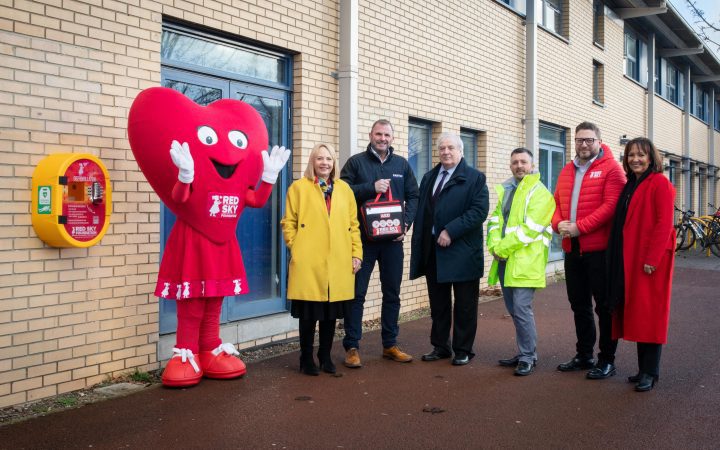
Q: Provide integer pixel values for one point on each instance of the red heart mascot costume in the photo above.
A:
(205, 164)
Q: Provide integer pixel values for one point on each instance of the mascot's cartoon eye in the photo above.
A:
(238, 139)
(207, 135)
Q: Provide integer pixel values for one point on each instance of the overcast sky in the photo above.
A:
(711, 8)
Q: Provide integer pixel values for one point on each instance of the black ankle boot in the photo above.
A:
(326, 363)
(307, 365)
(326, 335)
(307, 335)
(645, 383)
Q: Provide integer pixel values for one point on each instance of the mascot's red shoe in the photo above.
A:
(222, 363)
(182, 370)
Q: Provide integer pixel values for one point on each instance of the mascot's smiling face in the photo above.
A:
(225, 138)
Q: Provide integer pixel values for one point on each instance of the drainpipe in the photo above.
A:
(651, 87)
(348, 79)
(531, 119)
(686, 142)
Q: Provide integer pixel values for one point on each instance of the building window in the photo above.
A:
(635, 61)
(599, 23)
(672, 79)
(672, 172)
(551, 15)
(550, 162)
(717, 115)
(698, 102)
(598, 83)
(631, 56)
(470, 146)
(517, 5)
(658, 76)
(419, 146)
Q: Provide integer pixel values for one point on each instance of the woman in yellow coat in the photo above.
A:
(321, 230)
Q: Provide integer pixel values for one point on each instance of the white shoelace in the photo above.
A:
(186, 355)
(227, 348)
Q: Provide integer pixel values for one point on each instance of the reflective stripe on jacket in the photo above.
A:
(527, 234)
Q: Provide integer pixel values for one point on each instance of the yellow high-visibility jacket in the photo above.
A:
(527, 234)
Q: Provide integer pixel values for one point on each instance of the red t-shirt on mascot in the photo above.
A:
(226, 139)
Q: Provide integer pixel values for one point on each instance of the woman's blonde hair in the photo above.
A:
(310, 169)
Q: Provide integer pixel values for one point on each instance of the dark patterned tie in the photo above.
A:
(439, 186)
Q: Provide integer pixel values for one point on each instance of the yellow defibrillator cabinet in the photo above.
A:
(71, 200)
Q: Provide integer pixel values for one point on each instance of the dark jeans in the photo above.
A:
(389, 256)
(462, 316)
(585, 279)
(649, 358)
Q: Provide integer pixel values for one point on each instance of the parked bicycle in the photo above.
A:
(704, 231)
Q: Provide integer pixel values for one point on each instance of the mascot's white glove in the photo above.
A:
(182, 158)
(274, 163)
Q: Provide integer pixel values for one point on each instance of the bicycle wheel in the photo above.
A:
(690, 238)
(715, 248)
(687, 237)
(713, 240)
(680, 233)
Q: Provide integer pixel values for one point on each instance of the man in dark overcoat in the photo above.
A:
(447, 248)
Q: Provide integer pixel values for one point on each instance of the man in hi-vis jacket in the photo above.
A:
(518, 238)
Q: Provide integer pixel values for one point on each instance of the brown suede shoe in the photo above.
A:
(396, 354)
(352, 359)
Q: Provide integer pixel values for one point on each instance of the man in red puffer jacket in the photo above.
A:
(587, 191)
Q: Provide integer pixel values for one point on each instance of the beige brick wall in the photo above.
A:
(70, 318)
(698, 139)
(668, 126)
(70, 69)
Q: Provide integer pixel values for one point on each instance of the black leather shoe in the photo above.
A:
(460, 361)
(524, 368)
(434, 356)
(510, 362)
(602, 371)
(576, 364)
(634, 378)
(645, 383)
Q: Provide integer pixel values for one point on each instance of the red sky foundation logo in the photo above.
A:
(223, 206)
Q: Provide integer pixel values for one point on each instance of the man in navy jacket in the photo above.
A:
(369, 173)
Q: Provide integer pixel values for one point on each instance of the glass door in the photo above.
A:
(258, 229)
(550, 162)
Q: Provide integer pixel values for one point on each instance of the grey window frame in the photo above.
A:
(470, 154)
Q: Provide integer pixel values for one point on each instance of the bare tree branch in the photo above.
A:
(706, 28)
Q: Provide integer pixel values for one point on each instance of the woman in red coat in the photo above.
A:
(640, 259)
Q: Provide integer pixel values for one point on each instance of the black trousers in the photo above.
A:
(462, 319)
(649, 358)
(585, 278)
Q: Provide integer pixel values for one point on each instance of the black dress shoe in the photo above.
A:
(602, 371)
(434, 356)
(634, 378)
(645, 383)
(510, 362)
(460, 360)
(524, 368)
(576, 364)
